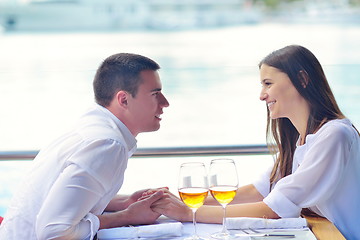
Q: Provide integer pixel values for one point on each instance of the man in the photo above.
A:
(76, 178)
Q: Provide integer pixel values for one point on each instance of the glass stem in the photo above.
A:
(224, 230)
(194, 221)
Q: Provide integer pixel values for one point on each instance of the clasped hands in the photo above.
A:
(168, 205)
(144, 207)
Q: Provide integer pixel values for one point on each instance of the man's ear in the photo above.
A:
(122, 98)
(304, 78)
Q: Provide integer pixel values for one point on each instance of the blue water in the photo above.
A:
(209, 76)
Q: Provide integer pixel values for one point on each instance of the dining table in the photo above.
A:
(323, 229)
(318, 229)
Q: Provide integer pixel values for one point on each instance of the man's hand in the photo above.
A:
(139, 212)
(121, 202)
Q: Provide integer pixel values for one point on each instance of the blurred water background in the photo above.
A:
(209, 75)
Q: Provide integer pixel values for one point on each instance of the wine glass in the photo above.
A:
(223, 185)
(193, 188)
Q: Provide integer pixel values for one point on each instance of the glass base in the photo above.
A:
(195, 238)
(222, 235)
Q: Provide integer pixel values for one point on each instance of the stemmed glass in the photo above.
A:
(193, 188)
(223, 185)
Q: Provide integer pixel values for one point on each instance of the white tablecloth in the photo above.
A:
(205, 230)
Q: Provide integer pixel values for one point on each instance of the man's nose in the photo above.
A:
(164, 102)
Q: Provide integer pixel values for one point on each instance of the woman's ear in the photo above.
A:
(304, 78)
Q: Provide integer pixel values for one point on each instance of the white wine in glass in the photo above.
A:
(193, 188)
(223, 185)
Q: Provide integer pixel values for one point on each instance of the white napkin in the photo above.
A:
(147, 231)
(262, 223)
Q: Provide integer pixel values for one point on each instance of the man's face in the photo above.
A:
(146, 107)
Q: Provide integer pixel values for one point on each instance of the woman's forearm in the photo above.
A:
(214, 214)
(247, 194)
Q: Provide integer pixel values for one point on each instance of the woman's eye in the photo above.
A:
(267, 83)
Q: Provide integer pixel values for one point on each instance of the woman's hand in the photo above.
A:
(172, 207)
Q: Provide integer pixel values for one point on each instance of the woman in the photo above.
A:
(317, 151)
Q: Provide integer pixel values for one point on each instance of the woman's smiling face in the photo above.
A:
(281, 97)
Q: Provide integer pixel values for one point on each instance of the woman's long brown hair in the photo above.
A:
(307, 75)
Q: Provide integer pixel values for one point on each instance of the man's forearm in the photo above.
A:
(118, 203)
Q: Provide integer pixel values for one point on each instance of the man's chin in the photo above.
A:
(152, 129)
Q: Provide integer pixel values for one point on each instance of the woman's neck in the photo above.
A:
(300, 122)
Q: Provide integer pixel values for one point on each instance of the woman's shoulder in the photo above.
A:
(339, 128)
(341, 124)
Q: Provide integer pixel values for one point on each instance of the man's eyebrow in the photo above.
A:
(156, 90)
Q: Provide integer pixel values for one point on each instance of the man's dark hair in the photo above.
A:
(120, 72)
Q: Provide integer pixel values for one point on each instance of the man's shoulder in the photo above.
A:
(95, 124)
(93, 130)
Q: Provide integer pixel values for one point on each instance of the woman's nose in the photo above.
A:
(263, 95)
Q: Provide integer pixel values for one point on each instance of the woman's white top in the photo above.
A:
(325, 178)
(71, 181)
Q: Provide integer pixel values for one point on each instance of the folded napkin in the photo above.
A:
(147, 231)
(262, 223)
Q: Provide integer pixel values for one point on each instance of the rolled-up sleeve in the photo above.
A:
(77, 196)
(316, 177)
(262, 182)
